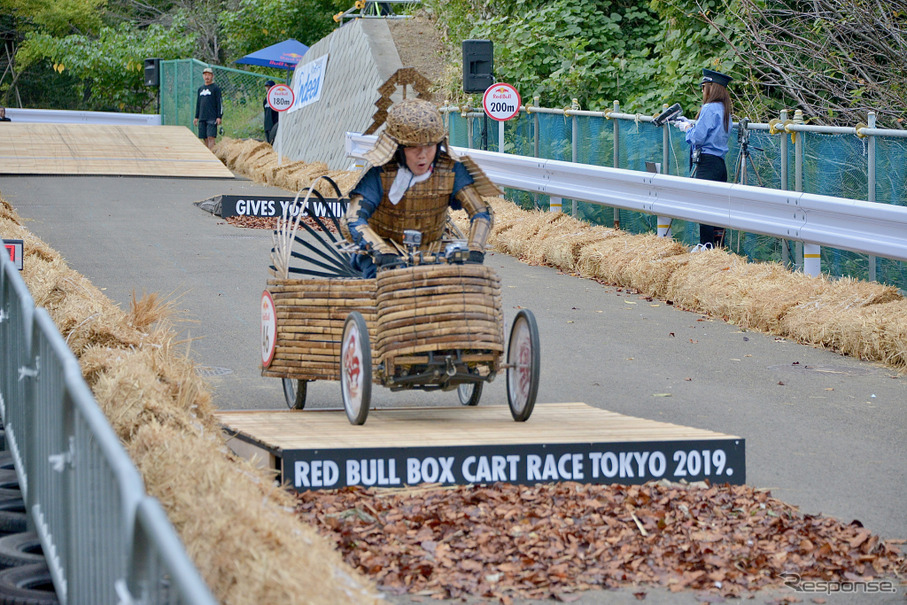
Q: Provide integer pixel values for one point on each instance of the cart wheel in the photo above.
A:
(294, 391)
(470, 392)
(356, 368)
(523, 359)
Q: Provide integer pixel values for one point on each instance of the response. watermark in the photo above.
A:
(795, 582)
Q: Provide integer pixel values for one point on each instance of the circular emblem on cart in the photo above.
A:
(268, 329)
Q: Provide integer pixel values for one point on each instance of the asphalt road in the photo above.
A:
(823, 432)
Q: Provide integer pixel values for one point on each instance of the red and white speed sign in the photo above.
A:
(501, 102)
(281, 97)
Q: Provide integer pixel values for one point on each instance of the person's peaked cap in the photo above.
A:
(207, 70)
(269, 83)
(715, 77)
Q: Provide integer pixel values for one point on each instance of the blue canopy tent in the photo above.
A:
(283, 55)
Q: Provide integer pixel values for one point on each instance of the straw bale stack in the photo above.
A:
(751, 295)
(564, 251)
(519, 237)
(845, 317)
(235, 526)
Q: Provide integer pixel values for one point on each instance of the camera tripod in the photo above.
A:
(743, 157)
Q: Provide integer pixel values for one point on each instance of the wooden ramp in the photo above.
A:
(104, 149)
(320, 449)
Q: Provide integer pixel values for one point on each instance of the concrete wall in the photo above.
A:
(361, 57)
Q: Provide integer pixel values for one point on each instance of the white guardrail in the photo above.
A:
(815, 220)
(64, 116)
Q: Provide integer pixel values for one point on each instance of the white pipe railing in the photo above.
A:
(865, 227)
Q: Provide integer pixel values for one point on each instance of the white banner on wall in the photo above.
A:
(308, 82)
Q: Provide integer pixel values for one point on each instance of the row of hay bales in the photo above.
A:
(238, 526)
(862, 319)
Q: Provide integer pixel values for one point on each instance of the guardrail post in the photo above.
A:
(871, 179)
(536, 143)
(798, 176)
(665, 146)
(574, 151)
(785, 252)
(812, 259)
(616, 157)
(501, 136)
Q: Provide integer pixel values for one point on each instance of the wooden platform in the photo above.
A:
(320, 449)
(99, 149)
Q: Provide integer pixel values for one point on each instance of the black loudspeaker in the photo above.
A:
(152, 72)
(478, 65)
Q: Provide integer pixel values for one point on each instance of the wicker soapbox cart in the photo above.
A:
(434, 323)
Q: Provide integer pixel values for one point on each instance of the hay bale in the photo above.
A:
(839, 317)
(564, 251)
(751, 295)
(520, 237)
(239, 527)
(629, 260)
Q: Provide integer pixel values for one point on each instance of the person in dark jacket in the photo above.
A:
(271, 116)
(3, 117)
(209, 109)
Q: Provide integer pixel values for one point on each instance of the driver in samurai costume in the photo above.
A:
(413, 179)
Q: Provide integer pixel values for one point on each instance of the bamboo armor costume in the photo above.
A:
(381, 208)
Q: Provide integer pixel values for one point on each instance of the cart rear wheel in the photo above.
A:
(294, 391)
(470, 393)
(523, 360)
(356, 368)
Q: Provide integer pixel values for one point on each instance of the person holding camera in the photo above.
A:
(413, 180)
(708, 139)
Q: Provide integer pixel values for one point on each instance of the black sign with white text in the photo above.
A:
(238, 205)
(629, 463)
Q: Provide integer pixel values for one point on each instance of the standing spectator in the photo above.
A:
(271, 116)
(209, 108)
(708, 143)
(3, 117)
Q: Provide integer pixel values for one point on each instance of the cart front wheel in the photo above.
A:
(470, 393)
(523, 360)
(294, 391)
(356, 368)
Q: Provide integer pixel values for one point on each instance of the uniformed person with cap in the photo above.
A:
(412, 180)
(708, 139)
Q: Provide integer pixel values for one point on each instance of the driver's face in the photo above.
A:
(419, 159)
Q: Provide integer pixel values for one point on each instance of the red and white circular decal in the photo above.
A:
(501, 102)
(268, 329)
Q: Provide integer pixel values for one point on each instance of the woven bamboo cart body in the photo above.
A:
(310, 318)
(448, 310)
(412, 314)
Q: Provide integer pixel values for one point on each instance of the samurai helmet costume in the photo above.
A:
(410, 123)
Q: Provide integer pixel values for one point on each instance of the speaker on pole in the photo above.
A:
(478, 65)
(152, 72)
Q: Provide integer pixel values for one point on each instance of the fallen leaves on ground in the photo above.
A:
(265, 222)
(550, 540)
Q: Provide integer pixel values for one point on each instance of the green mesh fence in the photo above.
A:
(832, 164)
(243, 96)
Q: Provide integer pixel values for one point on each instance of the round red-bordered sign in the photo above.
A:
(281, 97)
(268, 329)
(501, 102)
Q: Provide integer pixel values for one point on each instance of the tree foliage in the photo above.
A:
(91, 52)
(833, 59)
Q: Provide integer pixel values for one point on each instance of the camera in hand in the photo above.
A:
(671, 113)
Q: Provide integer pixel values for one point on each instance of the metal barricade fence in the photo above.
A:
(104, 539)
